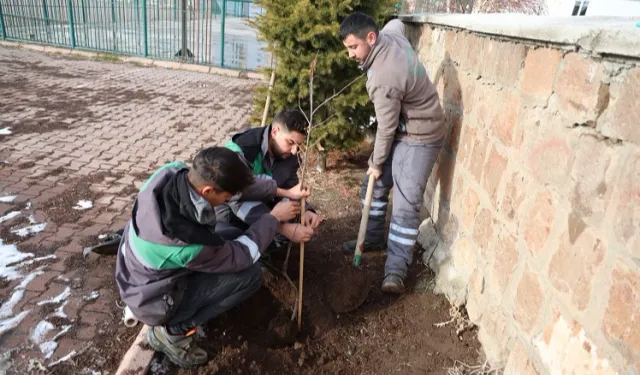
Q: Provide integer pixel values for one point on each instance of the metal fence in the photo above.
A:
(208, 32)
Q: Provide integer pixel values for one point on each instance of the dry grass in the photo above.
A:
(461, 368)
(459, 318)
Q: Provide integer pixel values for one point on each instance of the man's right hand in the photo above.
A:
(298, 192)
(286, 210)
(296, 233)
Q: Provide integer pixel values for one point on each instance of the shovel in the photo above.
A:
(351, 285)
(357, 258)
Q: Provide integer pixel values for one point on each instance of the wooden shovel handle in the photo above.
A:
(365, 216)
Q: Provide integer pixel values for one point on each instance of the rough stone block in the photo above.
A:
(564, 348)
(550, 161)
(514, 194)
(493, 171)
(475, 299)
(529, 300)
(621, 119)
(479, 155)
(472, 201)
(519, 363)
(539, 222)
(625, 203)
(503, 62)
(622, 314)
(505, 260)
(483, 230)
(592, 185)
(506, 118)
(574, 266)
(540, 68)
(465, 149)
(578, 74)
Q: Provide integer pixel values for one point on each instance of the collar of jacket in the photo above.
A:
(181, 218)
(265, 140)
(381, 43)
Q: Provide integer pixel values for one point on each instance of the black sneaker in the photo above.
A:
(349, 247)
(393, 284)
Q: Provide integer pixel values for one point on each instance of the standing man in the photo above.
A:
(410, 134)
(272, 154)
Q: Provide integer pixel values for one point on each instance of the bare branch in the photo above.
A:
(323, 122)
(305, 115)
(336, 94)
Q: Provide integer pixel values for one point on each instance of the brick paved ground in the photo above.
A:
(85, 130)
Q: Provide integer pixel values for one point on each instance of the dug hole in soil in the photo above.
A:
(387, 334)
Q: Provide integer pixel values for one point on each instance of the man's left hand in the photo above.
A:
(374, 172)
(311, 220)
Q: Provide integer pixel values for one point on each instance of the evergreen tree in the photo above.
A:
(298, 30)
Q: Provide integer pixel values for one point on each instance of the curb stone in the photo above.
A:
(137, 359)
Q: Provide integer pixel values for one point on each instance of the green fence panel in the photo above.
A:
(208, 32)
(3, 30)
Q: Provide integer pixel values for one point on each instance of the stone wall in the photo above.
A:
(536, 197)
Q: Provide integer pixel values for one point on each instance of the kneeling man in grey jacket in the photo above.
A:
(172, 269)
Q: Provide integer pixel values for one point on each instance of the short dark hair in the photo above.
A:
(293, 120)
(222, 169)
(358, 24)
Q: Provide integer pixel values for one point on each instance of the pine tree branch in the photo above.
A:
(324, 122)
(336, 94)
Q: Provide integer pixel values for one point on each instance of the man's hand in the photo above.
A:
(286, 210)
(296, 233)
(311, 220)
(298, 192)
(295, 193)
(375, 172)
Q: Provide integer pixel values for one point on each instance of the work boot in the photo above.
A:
(179, 348)
(393, 283)
(349, 247)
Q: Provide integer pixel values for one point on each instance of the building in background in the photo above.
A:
(626, 8)
(556, 8)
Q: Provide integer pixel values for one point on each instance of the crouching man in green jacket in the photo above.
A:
(173, 271)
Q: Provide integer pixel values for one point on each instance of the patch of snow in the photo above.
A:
(83, 205)
(8, 198)
(63, 331)
(32, 219)
(34, 260)
(93, 296)
(9, 216)
(63, 359)
(90, 371)
(62, 278)
(100, 237)
(57, 299)
(6, 310)
(40, 332)
(48, 348)
(32, 229)
(11, 323)
(9, 254)
(60, 311)
(5, 131)
(28, 206)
